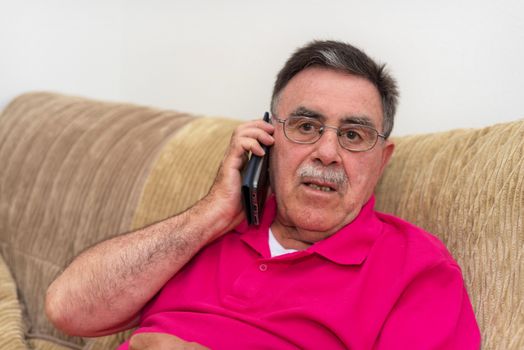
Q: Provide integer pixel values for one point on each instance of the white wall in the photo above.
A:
(459, 63)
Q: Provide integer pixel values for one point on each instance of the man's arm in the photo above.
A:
(103, 290)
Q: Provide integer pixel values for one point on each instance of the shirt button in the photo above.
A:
(262, 267)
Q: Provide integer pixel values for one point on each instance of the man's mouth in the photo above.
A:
(324, 179)
(320, 187)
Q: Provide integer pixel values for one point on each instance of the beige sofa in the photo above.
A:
(76, 171)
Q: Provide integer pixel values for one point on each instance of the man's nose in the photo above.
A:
(328, 147)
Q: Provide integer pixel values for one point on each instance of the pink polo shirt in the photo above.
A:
(378, 283)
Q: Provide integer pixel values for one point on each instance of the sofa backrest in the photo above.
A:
(77, 171)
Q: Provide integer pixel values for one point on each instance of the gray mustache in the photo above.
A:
(325, 174)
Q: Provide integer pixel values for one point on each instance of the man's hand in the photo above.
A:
(104, 288)
(161, 341)
(225, 194)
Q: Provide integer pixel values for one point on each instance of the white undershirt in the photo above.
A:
(275, 248)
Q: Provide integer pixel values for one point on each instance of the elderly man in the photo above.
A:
(323, 270)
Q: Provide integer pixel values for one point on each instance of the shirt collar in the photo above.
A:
(348, 246)
(351, 244)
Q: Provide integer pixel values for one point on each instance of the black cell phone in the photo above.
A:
(255, 180)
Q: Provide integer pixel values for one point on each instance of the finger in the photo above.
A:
(255, 125)
(237, 153)
(253, 146)
(260, 135)
(249, 140)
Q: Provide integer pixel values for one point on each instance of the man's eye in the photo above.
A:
(306, 127)
(353, 135)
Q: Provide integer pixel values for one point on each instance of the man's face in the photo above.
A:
(318, 208)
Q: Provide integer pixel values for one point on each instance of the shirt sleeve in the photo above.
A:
(433, 312)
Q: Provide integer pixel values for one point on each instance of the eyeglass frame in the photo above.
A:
(322, 129)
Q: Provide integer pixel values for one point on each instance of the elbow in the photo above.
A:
(69, 315)
(58, 311)
(54, 309)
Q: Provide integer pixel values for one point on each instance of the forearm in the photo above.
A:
(105, 287)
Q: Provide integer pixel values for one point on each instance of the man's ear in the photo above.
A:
(387, 152)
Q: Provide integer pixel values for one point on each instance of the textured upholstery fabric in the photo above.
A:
(11, 324)
(51, 344)
(76, 171)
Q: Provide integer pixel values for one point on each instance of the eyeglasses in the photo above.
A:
(352, 137)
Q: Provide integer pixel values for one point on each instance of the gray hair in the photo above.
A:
(347, 58)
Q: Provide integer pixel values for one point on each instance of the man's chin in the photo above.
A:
(322, 216)
(315, 222)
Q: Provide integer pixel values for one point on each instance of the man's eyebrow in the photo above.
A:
(306, 112)
(354, 119)
(360, 120)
